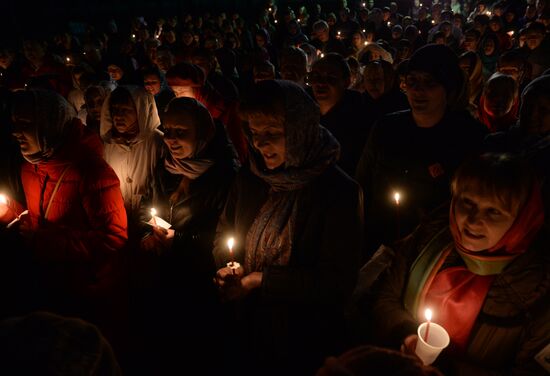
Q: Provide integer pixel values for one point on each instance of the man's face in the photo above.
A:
(328, 83)
(533, 39)
(426, 96)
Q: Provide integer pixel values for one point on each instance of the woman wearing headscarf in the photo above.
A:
(129, 122)
(76, 222)
(481, 265)
(188, 190)
(296, 219)
(499, 104)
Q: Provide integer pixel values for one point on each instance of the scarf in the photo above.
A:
(310, 150)
(457, 293)
(191, 168)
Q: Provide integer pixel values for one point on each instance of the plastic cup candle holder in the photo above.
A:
(432, 339)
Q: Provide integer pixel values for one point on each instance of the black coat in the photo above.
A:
(418, 163)
(295, 318)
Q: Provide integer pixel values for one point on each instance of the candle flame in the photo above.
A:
(366, 43)
(68, 59)
(322, 56)
(428, 314)
(276, 21)
(364, 30)
(230, 243)
(153, 212)
(133, 35)
(3, 199)
(298, 20)
(397, 197)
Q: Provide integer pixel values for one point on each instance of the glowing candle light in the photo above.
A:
(366, 43)
(3, 199)
(154, 216)
(322, 55)
(276, 21)
(364, 31)
(511, 33)
(389, 23)
(270, 9)
(433, 22)
(133, 35)
(428, 315)
(68, 59)
(397, 197)
(298, 20)
(232, 264)
(364, 5)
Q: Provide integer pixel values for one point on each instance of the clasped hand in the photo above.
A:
(234, 285)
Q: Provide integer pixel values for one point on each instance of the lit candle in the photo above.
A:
(322, 55)
(232, 264)
(364, 5)
(428, 314)
(276, 21)
(154, 216)
(366, 43)
(68, 59)
(270, 9)
(389, 23)
(511, 33)
(433, 22)
(488, 13)
(339, 34)
(298, 20)
(133, 35)
(3, 199)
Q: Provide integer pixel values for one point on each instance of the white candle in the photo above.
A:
(428, 314)
(232, 264)
(154, 216)
(397, 197)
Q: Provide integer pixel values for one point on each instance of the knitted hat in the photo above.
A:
(441, 62)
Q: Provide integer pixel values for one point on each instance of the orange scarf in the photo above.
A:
(457, 293)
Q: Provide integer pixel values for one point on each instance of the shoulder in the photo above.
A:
(337, 185)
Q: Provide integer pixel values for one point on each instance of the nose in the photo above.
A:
(474, 217)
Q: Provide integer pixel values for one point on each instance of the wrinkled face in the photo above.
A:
(24, 127)
(181, 138)
(94, 102)
(373, 79)
(124, 117)
(268, 137)
(115, 72)
(327, 82)
(151, 83)
(425, 94)
(498, 102)
(482, 220)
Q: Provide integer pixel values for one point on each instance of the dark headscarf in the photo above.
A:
(189, 109)
(310, 150)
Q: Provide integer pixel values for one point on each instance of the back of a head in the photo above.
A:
(43, 343)
(335, 60)
(186, 71)
(503, 84)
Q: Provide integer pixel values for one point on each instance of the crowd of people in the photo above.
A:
(285, 194)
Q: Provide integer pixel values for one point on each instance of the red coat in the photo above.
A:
(86, 225)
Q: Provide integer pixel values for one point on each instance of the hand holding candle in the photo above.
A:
(432, 339)
(154, 216)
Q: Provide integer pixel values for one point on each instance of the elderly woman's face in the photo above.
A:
(482, 220)
(181, 138)
(268, 137)
(24, 127)
(124, 117)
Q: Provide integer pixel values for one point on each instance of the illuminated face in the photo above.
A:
(181, 139)
(24, 128)
(124, 117)
(425, 94)
(268, 137)
(482, 221)
(151, 83)
(489, 47)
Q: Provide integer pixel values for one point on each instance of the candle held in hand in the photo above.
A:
(428, 314)
(232, 264)
(154, 216)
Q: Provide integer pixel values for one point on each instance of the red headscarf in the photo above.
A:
(457, 294)
(496, 124)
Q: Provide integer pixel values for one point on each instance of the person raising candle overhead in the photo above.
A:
(297, 222)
